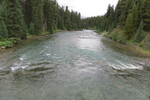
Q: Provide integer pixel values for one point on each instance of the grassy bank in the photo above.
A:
(142, 47)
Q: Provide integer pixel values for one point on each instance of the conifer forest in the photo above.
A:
(20, 18)
(128, 21)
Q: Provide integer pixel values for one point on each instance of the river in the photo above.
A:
(76, 65)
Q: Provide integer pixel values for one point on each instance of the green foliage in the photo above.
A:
(140, 33)
(146, 15)
(3, 30)
(134, 11)
(60, 23)
(127, 17)
(14, 20)
(37, 15)
(129, 26)
(50, 14)
(118, 35)
(31, 28)
(132, 22)
(28, 12)
(67, 20)
(6, 44)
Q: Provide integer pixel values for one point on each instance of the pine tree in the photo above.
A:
(67, 20)
(60, 24)
(51, 15)
(31, 28)
(37, 15)
(121, 13)
(55, 14)
(146, 15)
(141, 7)
(129, 26)
(15, 20)
(117, 12)
(134, 11)
(28, 12)
(140, 33)
(3, 30)
(110, 15)
(79, 21)
(132, 22)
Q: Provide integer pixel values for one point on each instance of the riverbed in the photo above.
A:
(75, 65)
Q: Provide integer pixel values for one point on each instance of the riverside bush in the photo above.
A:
(6, 44)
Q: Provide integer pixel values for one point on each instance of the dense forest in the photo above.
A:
(20, 18)
(129, 21)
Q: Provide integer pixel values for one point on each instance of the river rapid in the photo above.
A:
(76, 65)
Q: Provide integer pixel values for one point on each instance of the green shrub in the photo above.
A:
(117, 35)
(6, 44)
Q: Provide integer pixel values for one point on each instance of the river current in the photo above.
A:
(76, 65)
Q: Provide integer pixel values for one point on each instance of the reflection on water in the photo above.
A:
(89, 42)
(78, 65)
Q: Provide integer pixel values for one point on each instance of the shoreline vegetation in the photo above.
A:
(127, 23)
(12, 42)
(20, 19)
(131, 47)
(136, 48)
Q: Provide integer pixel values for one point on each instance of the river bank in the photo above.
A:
(141, 49)
(130, 47)
(10, 43)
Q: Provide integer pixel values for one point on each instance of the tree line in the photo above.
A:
(18, 18)
(131, 16)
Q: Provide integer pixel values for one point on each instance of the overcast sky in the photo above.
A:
(88, 8)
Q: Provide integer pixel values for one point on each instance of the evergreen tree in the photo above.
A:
(67, 20)
(15, 20)
(3, 30)
(134, 11)
(79, 21)
(60, 24)
(129, 26)
(51, 15)
(121, 13)
(55, 14)
(110, 15)
(141, 7)
(28, 12)
(31, 28)
(146, 15)
(37, 15)
(140, 33)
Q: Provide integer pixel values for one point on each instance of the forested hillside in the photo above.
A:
(19, 18)
(128, 22)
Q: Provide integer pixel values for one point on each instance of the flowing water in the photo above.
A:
(78, 65)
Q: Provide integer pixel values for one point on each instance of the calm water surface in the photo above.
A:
(78, 65)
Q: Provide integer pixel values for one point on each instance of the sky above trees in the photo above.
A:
(88, 8)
